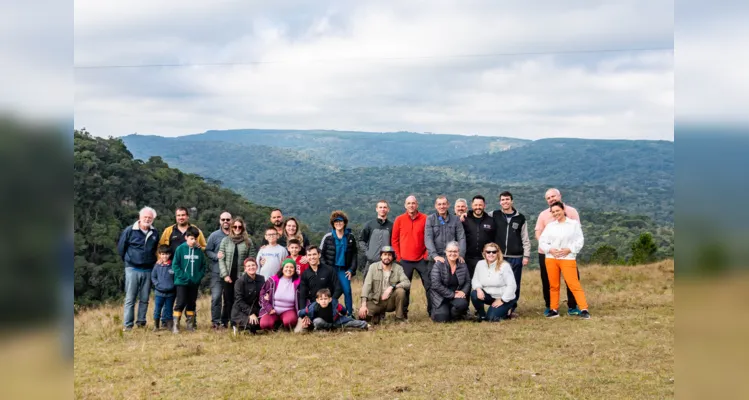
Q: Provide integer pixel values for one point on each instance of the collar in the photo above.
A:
(136, 226)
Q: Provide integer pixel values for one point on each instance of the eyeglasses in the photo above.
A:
(225, 219)
(491, 252)
(271, 234)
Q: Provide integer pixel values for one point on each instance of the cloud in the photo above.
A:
(439, 66)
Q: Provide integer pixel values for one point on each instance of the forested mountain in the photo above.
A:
(110, 187)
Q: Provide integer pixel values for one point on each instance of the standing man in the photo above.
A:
(544, 218)
(375, 235)
(441, 229)
(410, 251)
(480, 229)
(174, 235)
(211, 250)
(512, 238)
(137, 248)
(276, 221)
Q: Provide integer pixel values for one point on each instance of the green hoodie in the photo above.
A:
(188, 264)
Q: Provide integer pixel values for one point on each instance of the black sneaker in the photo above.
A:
(552, 314)
(584, 314)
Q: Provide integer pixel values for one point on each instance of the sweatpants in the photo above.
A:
(517, 269)
(288, 320)
(163, 307)
(322, 325)
(571, 303)
(450, 310)
(187, 295)
(423, 269)
(393, 303)
(493, 313)
(568, 269)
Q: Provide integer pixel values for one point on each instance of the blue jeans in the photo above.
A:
(346, 287)
(137, 284)
(162, 308)
(494, 313)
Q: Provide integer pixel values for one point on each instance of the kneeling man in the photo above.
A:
(384, 288)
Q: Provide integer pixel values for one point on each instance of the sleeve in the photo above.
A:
(123, 242)
(304, 311)
(461, 239)
(354, 256)
(540, 226)
(239, 300)
(544, 241)
(466, 288)
(211, 249)
(265, 304)
(177, 265)
(154, 279)
(526, 241)
(429, 240)
(301, 293)
(578, 240)
(251, 252)
(201, 240)
(509, 293)
(223, 270)
(475, 282)
(366, 233)
(395, 239)
(336, 289)
(404, 282)
(165, 236)
(436, 282)
(367, 286)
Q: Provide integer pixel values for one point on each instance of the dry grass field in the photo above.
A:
(625, 351)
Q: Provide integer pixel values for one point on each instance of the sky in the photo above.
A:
(520, 69)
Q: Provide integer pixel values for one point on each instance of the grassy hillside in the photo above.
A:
(625, 351)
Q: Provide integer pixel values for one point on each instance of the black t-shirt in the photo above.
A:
(325, 313)
(453, 283)
(235, 264)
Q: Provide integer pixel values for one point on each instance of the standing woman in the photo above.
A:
(246, 310)
(450, 286)
(561, 240)
(291, 231)
(493, 284)
(338, 249)
(278, 298)
(235, 247)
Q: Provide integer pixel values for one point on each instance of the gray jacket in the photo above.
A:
(375, 234)
(211, 249)
(437, 235)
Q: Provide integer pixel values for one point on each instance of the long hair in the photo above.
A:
(244, 235)
(298, 235)
(500, 259)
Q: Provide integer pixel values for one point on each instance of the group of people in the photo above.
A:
(466, 257)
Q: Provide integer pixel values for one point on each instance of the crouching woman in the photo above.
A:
(450, 286)
(278, 298)
(494, 285)
(246, 310)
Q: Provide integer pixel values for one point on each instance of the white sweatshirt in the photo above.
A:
(498, 284)
(565, 235)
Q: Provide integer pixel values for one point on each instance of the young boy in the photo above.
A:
(162, 280)
(327, 314)
(295, 248)
(189, 265)
(270, 256)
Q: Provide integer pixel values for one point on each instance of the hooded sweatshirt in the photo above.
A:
(189, 265)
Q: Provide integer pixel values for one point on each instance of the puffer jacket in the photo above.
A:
(227, 246)
(328, 251)
(440, 278)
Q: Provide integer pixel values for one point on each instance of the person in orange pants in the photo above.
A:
(561, 240)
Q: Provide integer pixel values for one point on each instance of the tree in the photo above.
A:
(605, 255)
(643, 249)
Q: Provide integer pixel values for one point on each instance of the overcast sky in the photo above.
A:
(423, 66)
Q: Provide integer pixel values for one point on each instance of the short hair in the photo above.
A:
(480, 197)
(338, 213)
(192, 231)
(505, 194)
(249, 259)
(164, 249)
(557, 203)
(276, 209)
(182, 209)
(312, 247)
(555, 190)
(147, 209)
(383, 201)
(293, 241)
(271, 228)
(442, 196)
(461, 200)
(323, 292)
(452, 244)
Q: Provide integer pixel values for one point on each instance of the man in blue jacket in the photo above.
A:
(137, 248)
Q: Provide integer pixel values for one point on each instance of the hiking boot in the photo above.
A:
(175, 324)
(156, 325)
(190, 323)
(194, 321)
(552, 314)
(584, 314)
(573, 311)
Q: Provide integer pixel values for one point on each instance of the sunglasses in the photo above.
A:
(225, 219)
(238, 227)
(491, 252)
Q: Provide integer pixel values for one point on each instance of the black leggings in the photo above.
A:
(187, 295)
(228, 301)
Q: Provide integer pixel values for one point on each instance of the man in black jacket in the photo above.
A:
(480, 229)
(317, 276)
(512, 238)
(375, 235)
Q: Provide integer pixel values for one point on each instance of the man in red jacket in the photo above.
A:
(410, 251)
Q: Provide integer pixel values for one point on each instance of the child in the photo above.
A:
(189, 265)
(295, 248)
(162, 280)
(327, 314)
(270, 256)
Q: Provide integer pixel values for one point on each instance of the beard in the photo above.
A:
(278, 223)
(387, 262)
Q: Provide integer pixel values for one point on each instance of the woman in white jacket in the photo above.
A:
(561, 240)
(493, 284)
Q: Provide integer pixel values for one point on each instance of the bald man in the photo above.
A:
(410, 251)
